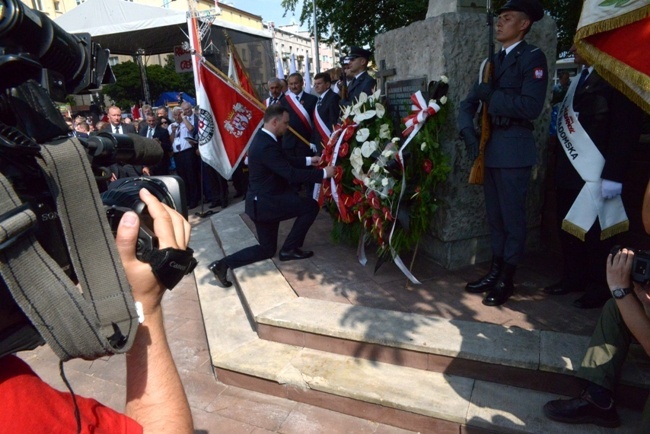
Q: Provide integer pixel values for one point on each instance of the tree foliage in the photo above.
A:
(128, 87)
(358, 22)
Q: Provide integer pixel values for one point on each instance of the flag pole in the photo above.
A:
(248, 96)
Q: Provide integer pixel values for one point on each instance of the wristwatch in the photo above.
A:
(619, 293)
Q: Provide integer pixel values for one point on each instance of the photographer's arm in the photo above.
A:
(155, 395)
(633, 309)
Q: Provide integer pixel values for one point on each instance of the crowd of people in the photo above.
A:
(277, 179)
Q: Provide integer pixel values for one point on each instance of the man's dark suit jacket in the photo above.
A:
(271, 173)
(291, 144)
(613, 123)
(119, 169)
(126, 128)
(363, 83)
(330, 111)
(162, 135)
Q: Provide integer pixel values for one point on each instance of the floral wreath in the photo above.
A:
(383, 189)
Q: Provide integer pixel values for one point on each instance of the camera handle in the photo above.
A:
(102, 319)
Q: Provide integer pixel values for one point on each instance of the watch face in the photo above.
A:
(620, 292)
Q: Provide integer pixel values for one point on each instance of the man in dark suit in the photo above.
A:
(362, 81)
(116, 126)
(514, 98)
(154, 131)
(275, 91)
(271, 199)
(328, 110)
(613, 124)
(301, 106)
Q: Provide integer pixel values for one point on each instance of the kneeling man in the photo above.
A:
(271, 199)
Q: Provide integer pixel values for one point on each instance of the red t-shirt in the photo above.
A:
(29, 405)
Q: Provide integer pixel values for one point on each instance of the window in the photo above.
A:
(57, 6)
(37, 5)
(113, 60)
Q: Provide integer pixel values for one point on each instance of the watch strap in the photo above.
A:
(619, 293)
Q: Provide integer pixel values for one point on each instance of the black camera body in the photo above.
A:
(641, 266)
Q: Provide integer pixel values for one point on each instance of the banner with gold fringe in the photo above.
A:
(614, 36)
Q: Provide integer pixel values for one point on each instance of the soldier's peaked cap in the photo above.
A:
(532, 8)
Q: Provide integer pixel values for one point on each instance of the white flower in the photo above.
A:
(384, 131)
(356, 160)
(384, 182)
(362, 135)
(423, 146)
(377, 94)
(444, 79)
(387, 153)
(366, 181)
(443, 100)
(380, 110)
(362, 116)
(346, 112)
(363, 98)
(368, 148)
(395, 140)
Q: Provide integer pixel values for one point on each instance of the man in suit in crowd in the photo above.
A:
(362, 82)
(271, 199)
(514, 99)
(301, 106)
(328, 110)
(116, 126)
(275, 91)
(613, 123)
(154, 131)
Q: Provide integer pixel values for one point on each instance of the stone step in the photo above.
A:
(412, 397)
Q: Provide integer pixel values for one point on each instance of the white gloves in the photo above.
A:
(610, 189)
(313, 148)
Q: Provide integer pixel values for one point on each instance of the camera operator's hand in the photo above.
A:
(155, 397)
(171, 229)
(619, 269)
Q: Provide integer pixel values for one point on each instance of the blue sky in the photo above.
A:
(270, 10)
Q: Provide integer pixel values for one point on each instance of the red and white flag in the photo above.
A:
(614, 36)
(228, 119)
(135, 111)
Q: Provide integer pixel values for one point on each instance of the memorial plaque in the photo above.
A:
(398, 94)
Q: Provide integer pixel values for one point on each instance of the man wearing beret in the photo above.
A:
(362, 81)
(515, 98)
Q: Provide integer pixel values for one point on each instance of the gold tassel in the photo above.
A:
(612, 23)
(618, 228)
(574, 229)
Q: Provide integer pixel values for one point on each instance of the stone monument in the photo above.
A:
(452, 41)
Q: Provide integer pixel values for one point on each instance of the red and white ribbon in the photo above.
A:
(421, 111)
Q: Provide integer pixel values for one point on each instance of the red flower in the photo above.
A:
(387, 215)
(427, 166)
(357, 181)
(357, 197)
(338, 175)
(344, 149)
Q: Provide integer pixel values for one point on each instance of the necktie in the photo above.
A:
(116, 130)
(150, 133)
(502, 56)
(583, 77)
(274, 101)
(320, 101)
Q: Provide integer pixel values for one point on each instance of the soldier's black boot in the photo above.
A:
(488, 281)
(504, 287)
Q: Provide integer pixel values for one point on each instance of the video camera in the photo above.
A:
(55, 179)
(640, 265)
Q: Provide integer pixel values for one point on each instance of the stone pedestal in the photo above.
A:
(454, 44)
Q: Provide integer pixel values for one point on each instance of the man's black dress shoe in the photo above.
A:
(591, 300)
(581, 410)
(220, 271)
(290, 255)
(499, 294)
(560, 288)
(487, 282)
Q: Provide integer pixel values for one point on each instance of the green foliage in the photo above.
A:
(128, 87)
(358, 22)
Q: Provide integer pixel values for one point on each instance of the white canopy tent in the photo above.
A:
(126, 27)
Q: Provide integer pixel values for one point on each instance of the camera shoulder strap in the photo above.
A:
(99, 320)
